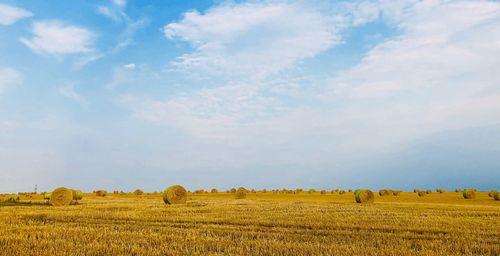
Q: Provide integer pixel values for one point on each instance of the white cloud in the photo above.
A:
(116, 12)
(129, 66)
(209, 113)
(10, 14)
(70, 92)
(57, 38)
(438, 74)
(110, 13)
(9, 77)
(120, 3)
(251, 38)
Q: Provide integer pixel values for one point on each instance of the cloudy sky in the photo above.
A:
(265, 94)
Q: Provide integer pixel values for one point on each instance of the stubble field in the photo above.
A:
(261, 224)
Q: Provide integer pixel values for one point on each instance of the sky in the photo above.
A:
(126, 94)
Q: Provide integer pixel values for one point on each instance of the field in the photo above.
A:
(261, 224)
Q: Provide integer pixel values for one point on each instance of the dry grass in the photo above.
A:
(261, 224)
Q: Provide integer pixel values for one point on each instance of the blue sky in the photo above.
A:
(264, 94)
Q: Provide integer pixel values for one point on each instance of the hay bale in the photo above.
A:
(384, 192)
(341, 192)
(61, 197)
(396, 192)
(214, 191)
(364, 196)
(138, 192)
(458, 190)
(492, 192)
(323, 192)
(428, 191)
(421, 193)
(496, 195)
(440, 190)
(101, 193)
(175, 194)
(350, 190)
(46, 196)
(77, 194)
(469, 193)
(241, 193)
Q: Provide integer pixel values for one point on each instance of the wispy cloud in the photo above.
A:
(251, 38)
(53, 37)
(70, 92)
(11, 14)
(116, 12)
(409, 86)
(9, 77)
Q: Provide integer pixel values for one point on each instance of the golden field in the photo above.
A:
(261, 224)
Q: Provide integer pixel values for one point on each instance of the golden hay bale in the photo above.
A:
(138, 192)
(175, 194)
(233, 190)
(241, 193)
(341, 192)
(458, 190)
(46, 196)
(214, 191)
(384, 192)
(364, 196)
(322, 192)
(496, 195)
(396, 192)
(428, 191)
(350, 190)
(101, 193)
(61, 197)
(77, 194)
(440, 190)
(492, 193)
(421, 193)
(469, 193)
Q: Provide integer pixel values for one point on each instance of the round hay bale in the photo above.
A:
(364, 196)
(233, 190)
(138, 192)
(384, 192)
(175, 194)
(61, 197)
(241, 193)
(428, 191)
(101, 193)
(458, 190)
(469, 193)
(496, 195)
(323, 192)
(396, 192)
(341, 192)
(214, 191)
(421, 193)
(492, 193)
(46, 196)
(77, 194)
